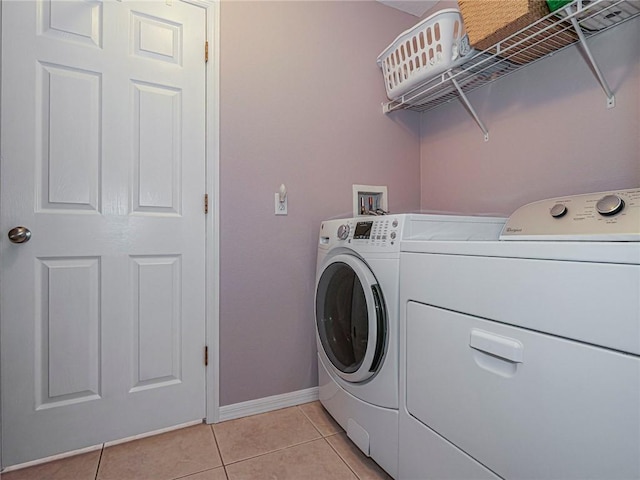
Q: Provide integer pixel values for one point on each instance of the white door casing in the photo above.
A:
(103, 158)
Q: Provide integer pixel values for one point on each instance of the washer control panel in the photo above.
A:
(375, 231)
(604, 216)
(382, 231)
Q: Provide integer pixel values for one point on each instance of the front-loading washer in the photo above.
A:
(520, 358)
(356, 306)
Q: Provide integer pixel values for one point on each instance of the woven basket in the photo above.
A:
(488, 22)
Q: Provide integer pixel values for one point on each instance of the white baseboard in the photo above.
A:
(267, 404)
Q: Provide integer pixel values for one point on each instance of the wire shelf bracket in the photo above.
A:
(469, 107)
(611, 99)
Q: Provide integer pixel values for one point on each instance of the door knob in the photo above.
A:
(19, 234)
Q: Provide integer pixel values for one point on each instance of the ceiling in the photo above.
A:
(414, 7)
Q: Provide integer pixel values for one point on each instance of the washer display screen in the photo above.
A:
(363, 230)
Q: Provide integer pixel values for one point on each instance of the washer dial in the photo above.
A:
(343, 231)
(609, 205)
(558, 210)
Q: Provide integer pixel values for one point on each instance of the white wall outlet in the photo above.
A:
(281, 207)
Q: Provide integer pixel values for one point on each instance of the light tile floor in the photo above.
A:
(294, 443)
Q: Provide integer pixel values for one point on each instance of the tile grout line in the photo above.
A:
(215, 439)
(273, 451)
(305, 417)
(99, 462)
(324, 437)
(310, 421)
(314, 425)
(187, 475)
(341, 458)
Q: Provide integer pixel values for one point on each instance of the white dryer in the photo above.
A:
(356, 307)
(520, 358)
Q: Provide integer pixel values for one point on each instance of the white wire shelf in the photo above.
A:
(580, 18)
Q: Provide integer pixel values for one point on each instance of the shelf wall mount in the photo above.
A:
(611, 99)
(470, 109)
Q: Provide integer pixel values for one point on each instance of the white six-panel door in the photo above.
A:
(103, 160)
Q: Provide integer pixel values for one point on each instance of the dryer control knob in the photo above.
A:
(609, 205)
(558, 210)
(343, 231)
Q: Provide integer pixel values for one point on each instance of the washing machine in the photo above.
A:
(520, 358)
(356, 306)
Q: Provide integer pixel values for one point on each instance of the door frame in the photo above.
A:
(212, 219)
(1, 462)
(212, 235)
(1, 3)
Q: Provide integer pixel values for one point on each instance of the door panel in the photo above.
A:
(77, 22)
(103, 137)
(67, 336)
(70, 138)
(158, 161)
(157, 321)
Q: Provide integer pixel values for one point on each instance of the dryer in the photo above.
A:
(520, 358)
(356, 305)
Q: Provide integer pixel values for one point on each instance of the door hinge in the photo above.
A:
(206, 51)
(206, 356)
(206, 203)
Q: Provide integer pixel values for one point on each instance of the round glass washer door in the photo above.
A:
(351, 318)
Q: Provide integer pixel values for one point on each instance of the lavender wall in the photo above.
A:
(300, 105)
(550, 133)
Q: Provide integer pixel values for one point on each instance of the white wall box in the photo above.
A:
(370, 200)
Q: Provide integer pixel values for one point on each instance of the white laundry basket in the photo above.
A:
(434, 45)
